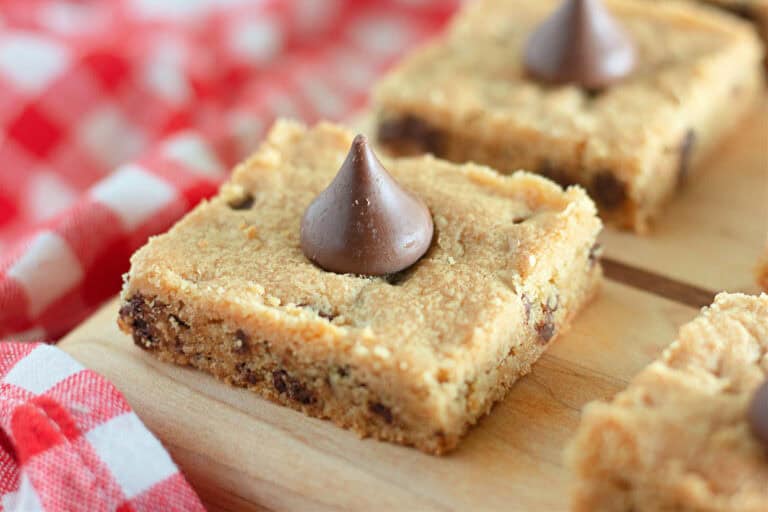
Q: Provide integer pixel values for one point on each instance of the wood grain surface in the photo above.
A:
(244, 453)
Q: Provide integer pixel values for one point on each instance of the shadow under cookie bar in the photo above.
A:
(633, 145)
(416, 357)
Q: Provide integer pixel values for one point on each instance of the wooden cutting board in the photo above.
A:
(243, 453)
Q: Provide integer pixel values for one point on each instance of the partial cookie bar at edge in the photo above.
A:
(414, 358)
(467, 97)
(678, 437)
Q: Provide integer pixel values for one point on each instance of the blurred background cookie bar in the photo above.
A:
(508, 86)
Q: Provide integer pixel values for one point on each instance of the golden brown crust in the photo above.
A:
(511, 262)
(678, 438)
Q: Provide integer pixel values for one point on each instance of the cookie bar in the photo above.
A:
(415, 357)
(762, 272)
(467, 97)
(679, 437)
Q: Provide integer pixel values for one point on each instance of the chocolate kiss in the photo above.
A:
(758, 414)
(364, 222)
(580, 43)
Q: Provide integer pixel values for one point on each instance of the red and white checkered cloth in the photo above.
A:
(77, 440)
(116, 117)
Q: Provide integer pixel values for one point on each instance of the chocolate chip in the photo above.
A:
(757, 414)
(581, 43)
(742, 10)
(143, 335)
(132, 313)
(132, 308)
(686, 151)
(180, 322)
(301, 394)
(242, 342)
(241, 203)
(326, 315)
(520, 219)
(608, 191)
(546, 326)
(248, 375)
(382, 410)
(411, 130)
(527, 305)
(554, 173)
(280, 380)
(285, 384)
(553, 303)
(364, 222)
(593, 94)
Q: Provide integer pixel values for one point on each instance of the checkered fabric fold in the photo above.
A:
(89, 86)
(116, 118)
(69, 441)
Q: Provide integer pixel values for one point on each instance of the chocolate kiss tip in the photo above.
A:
(757, 414)
(581, 43)
(364, 222)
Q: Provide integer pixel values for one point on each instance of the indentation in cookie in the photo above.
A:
(608, 191)
(322, 313)
(398, 278)
(520, 219)
(241, 202)
(381, 410)
(413, 131)
(297, 391)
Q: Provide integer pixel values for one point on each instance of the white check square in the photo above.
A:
(42, 369)
(48, 269)
(134, 195)
(133, 455)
